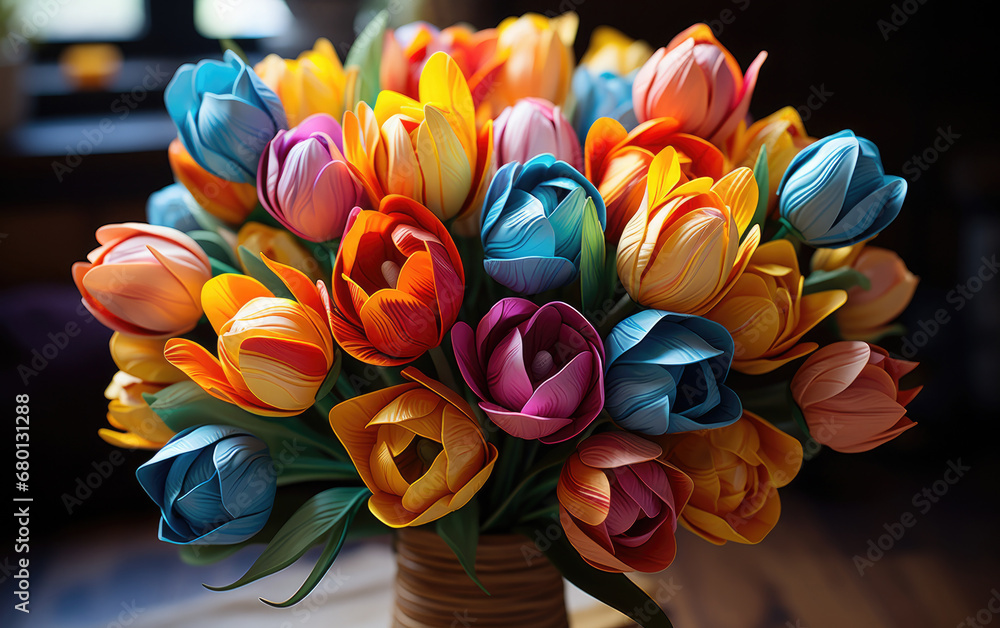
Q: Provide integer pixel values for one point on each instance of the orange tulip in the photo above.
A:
(226, 200)
(144, 280)
(398, 283)
(143, 358)
(681, 251)
(277, 245)
(313, 83)
(140, 427)
(617, 162)
(417, 447)
(274, 353)
(766, 312)
(850, 397)
(736, 471)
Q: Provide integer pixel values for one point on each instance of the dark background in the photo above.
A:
(900, 86)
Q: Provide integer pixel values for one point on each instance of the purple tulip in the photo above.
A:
(532, 127)
(538, 370)
(304, 180)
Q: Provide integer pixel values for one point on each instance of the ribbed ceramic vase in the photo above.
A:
(433, 591)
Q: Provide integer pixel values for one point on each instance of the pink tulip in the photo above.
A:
(534, 126)
(304, 180)
(696, 81)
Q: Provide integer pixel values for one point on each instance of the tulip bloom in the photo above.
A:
(538, 370)
(140, 427)
(429, 150)
(610, 50)
(313, 83)
(782, 133)
(534, 126)
(539, 58)
(274, 353)
(766, 312)
(532, 224)
(850, 397)
(142, 358)
(666, 372)
(228, 201)
(277, 245)
(214, 484)
(603, 95)
(835, 192)
(144, 280)
(225, 115)
(697, 82)
(173, 207)
(398, 283)
(736, 472)
(617, 161)
(619, 503)
(305, 182)
(417, 447)
(681, 251)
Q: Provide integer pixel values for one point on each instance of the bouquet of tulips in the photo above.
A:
(473, 287)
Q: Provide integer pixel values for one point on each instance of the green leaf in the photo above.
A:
(614, 589)
(366, 55)
(214, 246)
(331, 377)
(221, 268)
(592, 258)
(460, 530)
(763, 191)
(611, 274)
(334, 541)
(839, 279)
(257, 269)
(797, 415)
(324, 513)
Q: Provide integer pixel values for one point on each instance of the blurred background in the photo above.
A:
(84, 137)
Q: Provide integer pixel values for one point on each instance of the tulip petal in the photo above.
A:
(399, 325)
(524, 231)
(521, 425)
(283, 372)
(224, 295)
(584, 491)
(561, 394)
(506, 374)
(609, 450)
(531, 275)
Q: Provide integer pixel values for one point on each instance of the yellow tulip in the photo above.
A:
(313, 83)
(140, 427)
(610, 50)
(766, 312)
(681, 250)
(278, 245)
(143, 358)
(427, 150)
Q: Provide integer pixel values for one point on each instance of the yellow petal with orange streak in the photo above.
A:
(224, 295)
(585, 492)
(361, 142)
(447, 173)
(428, 488)
(664, 174)
(746, 249)
(443, 86)
(739, 192)
(604, 135)
(391, 104)
(283, 372)
(385, 473)
(397, 164)
(464, 447)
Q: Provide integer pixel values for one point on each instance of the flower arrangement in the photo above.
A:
(459, 282)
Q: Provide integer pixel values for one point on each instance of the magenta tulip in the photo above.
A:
(539, 371)
(305, 183)
(532, 127)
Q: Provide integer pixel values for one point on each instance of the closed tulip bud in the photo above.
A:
(681, 251)
(277, 245)
(532, 127)
(697, 82)
(140, 427)
(603, 95)
(225, 115)
(142, 358)
(273, 352)
(228, 201)
(305, 182)
(174, 207)
(610, 50)
(144, 280)
(313, 83)
(850, 397)
(835, 192)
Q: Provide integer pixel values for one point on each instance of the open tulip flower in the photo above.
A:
(766, 312)
(144, 280)
(697, 82)
(532, 224)
(666, 373)
(313, 83)
(305, 182)
(274, 353)
(737, 471)
(532, 127)
(428, 150)
(850, 397)
(681, 251)
(538, 370)
(228, 201)
(617, 162)
(835, 192)
(140, 427)
(225, 115)
(398, 283)
(417, 447)
(619, 503)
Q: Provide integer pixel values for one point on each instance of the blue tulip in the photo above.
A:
(225, 115)
(532, 223)
(835, 192)
(604, 95)
(173, 207)
(665, 373)
(214, 485)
